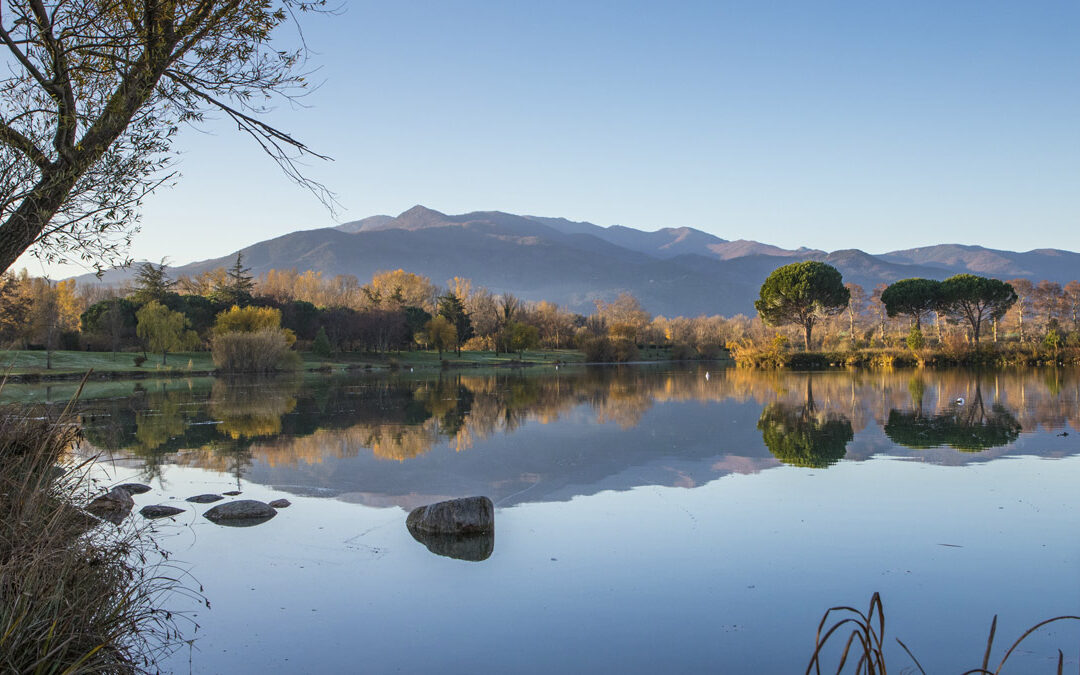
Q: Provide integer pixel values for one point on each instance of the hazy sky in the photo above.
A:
(826, 124)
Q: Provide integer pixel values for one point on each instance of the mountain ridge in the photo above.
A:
(672, 270)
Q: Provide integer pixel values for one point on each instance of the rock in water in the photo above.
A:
(281, 503)
(112, 506)
(204, 499)
(471, 515)
(134, 488)
(241, 513)
(159, 511)
(232, 493)
(471, 547)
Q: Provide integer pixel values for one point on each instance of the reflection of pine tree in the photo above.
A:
(802, 436)
(970, 427)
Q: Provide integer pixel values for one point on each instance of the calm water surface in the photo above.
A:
(649, 519)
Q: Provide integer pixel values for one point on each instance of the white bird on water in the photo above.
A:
(960, 401)
(706, 375)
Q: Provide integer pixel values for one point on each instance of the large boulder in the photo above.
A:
(471, 515)
(112, 506)
(241, 513)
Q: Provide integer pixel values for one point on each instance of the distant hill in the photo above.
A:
(673, 271)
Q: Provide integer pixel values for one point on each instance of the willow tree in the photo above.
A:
(802, 294)
(94, 93)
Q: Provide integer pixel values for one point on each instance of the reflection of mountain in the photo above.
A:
(803, 435)
(969, 427)
(517, 437)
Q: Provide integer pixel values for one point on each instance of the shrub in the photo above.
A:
(915, 340)
(262, 351)
(680, 351)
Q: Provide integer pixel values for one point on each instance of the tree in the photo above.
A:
(112, 319)
(1025, 294)
(237, 286)
(163, 329)
(1049, 302)
(912, 297)
(321, 345)
(1072, 302)
(976, 299)
(802, 293)
(14, 309)
(855, 306)
(152, 283)
(452, 309)
(521, 336)
(440, 334)
(94, 93)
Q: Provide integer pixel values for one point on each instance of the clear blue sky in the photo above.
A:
(827, 124)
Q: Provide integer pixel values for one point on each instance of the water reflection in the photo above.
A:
(967, 425)
(805, 435)
(520, 436)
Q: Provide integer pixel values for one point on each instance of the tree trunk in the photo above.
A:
(807, 327)
(163, 353)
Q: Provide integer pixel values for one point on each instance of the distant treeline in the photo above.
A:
(397, 310)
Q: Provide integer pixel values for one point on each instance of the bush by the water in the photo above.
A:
(74, 596)
(262, 351)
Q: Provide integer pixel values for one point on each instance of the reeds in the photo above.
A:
(76, 595)
(865, 644)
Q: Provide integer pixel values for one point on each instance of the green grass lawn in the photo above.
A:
(179, 363)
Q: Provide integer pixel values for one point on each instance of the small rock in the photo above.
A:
(204, 499)
(159, 511)
(241, 513)
(231, 493)
(134, 488)
(471, 515)
(112, 506)
(281, 503)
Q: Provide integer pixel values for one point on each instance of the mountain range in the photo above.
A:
(672, 271)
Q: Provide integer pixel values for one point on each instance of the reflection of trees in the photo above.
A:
(227, 424)
(970, 427)
(251, 408)
(803, 435)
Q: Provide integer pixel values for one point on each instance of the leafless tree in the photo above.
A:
(94, 93)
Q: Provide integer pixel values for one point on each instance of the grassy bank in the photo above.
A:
(73, 599)
(987, 355)
(30, 366)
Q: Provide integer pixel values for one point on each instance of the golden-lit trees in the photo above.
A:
(399, 288)
(163, 329)
(440, 334)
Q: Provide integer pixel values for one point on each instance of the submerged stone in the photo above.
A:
(134, 488)
(241, 513)
(470, 515)
(281, 503)
(232, 493)
(204, 499)
(159, 511)
(112, 506)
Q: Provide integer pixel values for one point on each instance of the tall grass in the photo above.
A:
(76, 595)
(864, 646)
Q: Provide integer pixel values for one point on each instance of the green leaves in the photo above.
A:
(800, 293)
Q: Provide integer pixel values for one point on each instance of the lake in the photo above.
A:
(659, 518)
